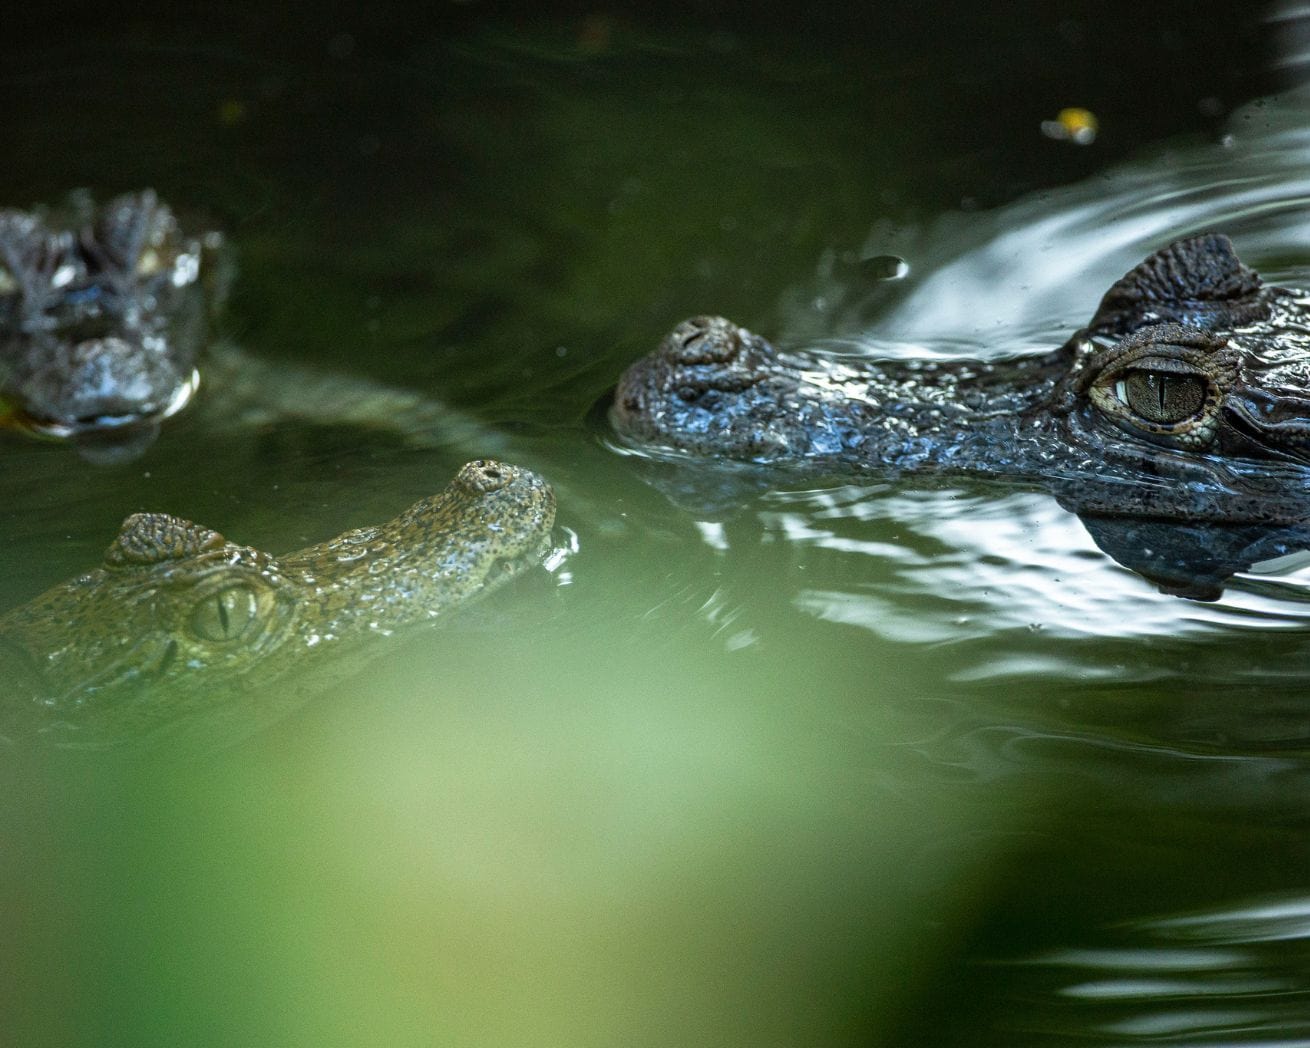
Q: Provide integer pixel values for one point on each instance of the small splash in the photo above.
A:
(559, 554)
(712, 533)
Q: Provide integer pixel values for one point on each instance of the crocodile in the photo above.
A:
(105, 332)
(181, 633)
(101, 320)
(1185, 398)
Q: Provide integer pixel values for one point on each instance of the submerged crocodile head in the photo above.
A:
(100, 322)
(181, 628)
(1187, 396)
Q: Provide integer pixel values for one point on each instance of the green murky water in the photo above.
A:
(889, 764)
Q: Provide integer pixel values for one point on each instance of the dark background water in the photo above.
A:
(877, 765)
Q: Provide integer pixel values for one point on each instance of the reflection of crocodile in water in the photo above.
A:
(103, 320)
(180, 627)
(1187, 397)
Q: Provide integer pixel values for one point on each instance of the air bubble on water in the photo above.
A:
(886, 267)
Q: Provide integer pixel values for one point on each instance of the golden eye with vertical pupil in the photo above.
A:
(1161, 397)
(1170, 395)
(225, 615)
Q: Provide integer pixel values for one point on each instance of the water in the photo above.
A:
(898, 763)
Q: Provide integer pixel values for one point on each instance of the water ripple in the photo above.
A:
(1230, 975)
(947, 566)
(1002, 281)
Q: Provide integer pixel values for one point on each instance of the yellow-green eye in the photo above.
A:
(225, 615)
(1168, 394)
(8, 285)
(1161, 397)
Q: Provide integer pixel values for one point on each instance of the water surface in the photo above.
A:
(902, 762)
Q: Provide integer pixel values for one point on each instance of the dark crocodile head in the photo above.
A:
(179, 627)
(715, 389)
(100, 322)
(1188, 396)
(709, 384)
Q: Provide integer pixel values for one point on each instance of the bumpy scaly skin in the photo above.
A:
(715, 389)
(1188, 396)
(101, 319)
(180, 625)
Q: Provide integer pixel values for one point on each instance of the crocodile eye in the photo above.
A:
(1166, 398)
(1160, 397)
(8, 285)
(225, 615)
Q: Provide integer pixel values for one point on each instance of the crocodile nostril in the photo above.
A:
(703, 340)
(484, 476)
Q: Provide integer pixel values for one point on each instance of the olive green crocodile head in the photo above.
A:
(179, 626)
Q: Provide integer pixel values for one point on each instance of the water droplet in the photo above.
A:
(885, 267)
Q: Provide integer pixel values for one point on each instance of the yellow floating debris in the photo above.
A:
(1072, 125)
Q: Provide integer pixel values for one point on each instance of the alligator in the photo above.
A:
(1186, 398)
(105, 316)
(180, 633)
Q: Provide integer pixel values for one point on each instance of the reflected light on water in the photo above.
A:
(1231, 975)
(1025, 275)
(947, 566)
